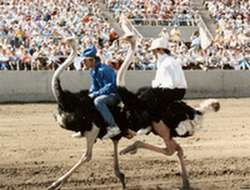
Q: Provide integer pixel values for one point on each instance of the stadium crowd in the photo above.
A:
(232, 41)
(154, 12)
(30, 33)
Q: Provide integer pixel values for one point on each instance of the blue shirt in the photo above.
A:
(103, 80)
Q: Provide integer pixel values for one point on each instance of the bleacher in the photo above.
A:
(29, 33)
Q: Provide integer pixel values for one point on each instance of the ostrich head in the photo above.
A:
(129, 38)
(71, 41)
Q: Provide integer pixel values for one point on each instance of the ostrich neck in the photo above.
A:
(120, 80)
(60, 69)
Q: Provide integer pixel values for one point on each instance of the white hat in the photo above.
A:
(159, 43)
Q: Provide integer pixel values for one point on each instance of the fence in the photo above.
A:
(36, 86)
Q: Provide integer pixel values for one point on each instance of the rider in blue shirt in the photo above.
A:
(103, 80)
(103, 88)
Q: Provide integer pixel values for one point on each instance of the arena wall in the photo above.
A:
(35, 86)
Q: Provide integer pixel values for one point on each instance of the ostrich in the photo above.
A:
(76, 112)
(182, 119)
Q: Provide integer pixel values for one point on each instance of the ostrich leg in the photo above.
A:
(118, 173)
(184, 174)
(90, 140)
(138, 144)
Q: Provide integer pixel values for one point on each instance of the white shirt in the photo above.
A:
(169, 74)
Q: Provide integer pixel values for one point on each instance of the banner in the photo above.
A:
(205, 41)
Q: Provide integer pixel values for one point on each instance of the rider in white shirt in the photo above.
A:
(169, 78)
(169, 85)
(169, 73)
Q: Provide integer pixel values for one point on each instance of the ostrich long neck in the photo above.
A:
(120, 80)
(60, 69)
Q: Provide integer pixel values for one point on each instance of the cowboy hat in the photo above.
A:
(89, 52)
(159, 43)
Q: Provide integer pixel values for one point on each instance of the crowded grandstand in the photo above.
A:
(31, 32)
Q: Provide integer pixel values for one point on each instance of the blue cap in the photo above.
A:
(89, 52)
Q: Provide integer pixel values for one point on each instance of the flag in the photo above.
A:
(204, 39)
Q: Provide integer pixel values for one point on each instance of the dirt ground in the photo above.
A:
(34, 152)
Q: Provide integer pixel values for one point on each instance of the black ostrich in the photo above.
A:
(76, 112)
(181, 119)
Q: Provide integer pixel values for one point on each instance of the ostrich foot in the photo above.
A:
(56, 185)
(132, 149)
(186, 185)
(121, 176)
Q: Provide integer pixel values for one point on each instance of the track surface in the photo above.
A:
(35, 152)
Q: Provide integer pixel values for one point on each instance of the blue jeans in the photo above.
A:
(244, 64)
(102, 102)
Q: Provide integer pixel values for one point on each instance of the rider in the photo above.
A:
(169, 75)
(103, 89)
(168, 85)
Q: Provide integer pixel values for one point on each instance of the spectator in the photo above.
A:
(32, 24)
(175, 34)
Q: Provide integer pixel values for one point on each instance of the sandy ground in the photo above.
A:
(35, 152)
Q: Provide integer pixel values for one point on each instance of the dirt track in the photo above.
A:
(35, 152)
